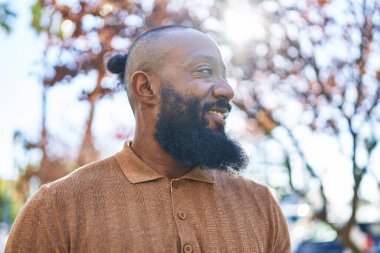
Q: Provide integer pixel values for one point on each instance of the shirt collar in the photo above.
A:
(137, 171)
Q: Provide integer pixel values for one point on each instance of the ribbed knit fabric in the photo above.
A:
(119, 204)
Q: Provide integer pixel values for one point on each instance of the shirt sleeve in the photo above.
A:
(281, 238)
(37, 227)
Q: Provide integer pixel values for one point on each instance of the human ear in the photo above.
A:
(143, 90)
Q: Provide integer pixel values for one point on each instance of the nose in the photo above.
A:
(223, 89)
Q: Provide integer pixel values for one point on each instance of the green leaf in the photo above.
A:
(5, 14)
(37, 10)
(5, 27)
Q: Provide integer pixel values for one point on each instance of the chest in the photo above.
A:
(170, 216)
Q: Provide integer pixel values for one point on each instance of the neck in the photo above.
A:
(147, 148)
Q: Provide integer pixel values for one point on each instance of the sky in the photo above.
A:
(21, 92)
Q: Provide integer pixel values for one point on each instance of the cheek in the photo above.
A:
(199, 89)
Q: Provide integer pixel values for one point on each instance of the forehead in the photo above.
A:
(184, 46)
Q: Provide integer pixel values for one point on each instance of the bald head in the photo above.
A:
(147, 48)
(147, 51)
(152, 51)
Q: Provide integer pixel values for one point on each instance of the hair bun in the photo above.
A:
(117, 64)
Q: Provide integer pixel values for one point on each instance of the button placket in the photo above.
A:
(186, 233)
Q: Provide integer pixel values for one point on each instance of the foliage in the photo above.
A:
(319, 61)
(5, 14)
(9, 202)
(36, 16)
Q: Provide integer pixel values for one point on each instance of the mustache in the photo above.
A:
(217, 104)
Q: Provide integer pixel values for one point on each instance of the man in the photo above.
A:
(171, 189)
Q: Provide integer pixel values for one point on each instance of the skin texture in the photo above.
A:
(191, 62)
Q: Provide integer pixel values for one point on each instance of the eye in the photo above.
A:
(207, 71)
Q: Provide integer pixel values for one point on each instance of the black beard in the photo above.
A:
(182, 131)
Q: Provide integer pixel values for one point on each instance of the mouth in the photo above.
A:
(220, 114)
(217, 112)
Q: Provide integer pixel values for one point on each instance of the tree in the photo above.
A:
(319, 61)
(5, 15)
(9, 203)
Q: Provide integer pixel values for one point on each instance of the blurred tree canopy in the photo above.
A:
(301, 68)
(320, 62)
(8, 202)
(6, 14)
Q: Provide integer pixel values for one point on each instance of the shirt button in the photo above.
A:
(182, 215)
(175, 183)
(187, 248)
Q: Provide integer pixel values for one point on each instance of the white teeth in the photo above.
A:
(223, 116)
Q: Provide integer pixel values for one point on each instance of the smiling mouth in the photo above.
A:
(219, 114)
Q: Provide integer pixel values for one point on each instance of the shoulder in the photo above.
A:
(84, 182)
(250, 193)
(234, 181)
(87, 174)
(261, 203)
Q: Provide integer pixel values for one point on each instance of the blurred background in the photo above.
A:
(306, 76)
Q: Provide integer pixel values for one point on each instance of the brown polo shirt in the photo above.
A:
(119, 204)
